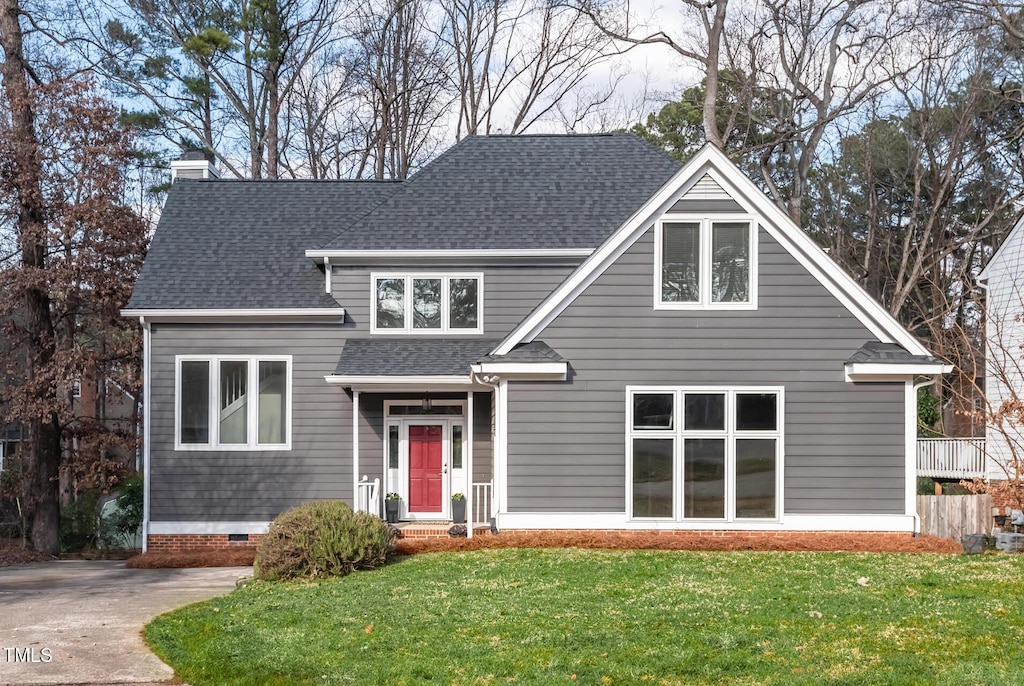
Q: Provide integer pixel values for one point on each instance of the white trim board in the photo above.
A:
(447, 255)
(619, 520)
(254, 315)
(170, 528)
(712, 162)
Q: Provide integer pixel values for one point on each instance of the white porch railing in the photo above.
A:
(482, 494)
(368, 496)
(951, 458)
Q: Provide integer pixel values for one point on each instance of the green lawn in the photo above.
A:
(617, 617)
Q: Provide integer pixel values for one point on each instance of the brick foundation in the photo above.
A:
(182, 543)
(1003, 495)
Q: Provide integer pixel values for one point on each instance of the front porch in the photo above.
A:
(429, 454)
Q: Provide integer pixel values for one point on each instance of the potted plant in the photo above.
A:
(458, 508)
(392, 507)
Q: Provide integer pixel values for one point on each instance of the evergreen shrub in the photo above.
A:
(322, 538)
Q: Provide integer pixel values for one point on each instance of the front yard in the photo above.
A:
(570, 616)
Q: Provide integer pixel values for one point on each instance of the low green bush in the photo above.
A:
(322, 538)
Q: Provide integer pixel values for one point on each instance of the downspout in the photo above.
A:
(147, 392)
(915, 388)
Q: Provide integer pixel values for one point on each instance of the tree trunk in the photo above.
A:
(42, 517)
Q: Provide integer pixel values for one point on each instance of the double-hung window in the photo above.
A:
(233, 403)
(427, 303)
(704, 453)
(705, 263)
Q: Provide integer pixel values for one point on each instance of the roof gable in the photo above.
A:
(710, 168)
(1009, 250)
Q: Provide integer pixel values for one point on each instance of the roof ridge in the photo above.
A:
(402, 187)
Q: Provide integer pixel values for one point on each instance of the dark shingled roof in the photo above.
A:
(411, 356)
(241, 244)
(876, 352)
(516, 192)
(535, 351)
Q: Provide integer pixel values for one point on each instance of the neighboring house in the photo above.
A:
(1003, 281)
(574, 331)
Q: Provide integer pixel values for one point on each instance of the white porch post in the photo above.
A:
(499, 492)
(355, 449)
(469, 464)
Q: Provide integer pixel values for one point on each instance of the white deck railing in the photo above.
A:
(482, 493)
(368, 496)
(951, 458)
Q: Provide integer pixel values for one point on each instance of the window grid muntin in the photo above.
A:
(704, 301)
(730, 434)
(214, 399)
(408, 297)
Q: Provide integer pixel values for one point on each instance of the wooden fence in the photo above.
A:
(955, 516)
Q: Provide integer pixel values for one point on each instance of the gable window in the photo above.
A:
(427, 303)
(704, 453)
(233, 403)
(705, 263)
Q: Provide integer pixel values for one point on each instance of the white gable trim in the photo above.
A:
(712, 162)
(997, 256)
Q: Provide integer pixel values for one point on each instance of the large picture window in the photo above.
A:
(233, 403)
(427, 303)
(705, 263)
(704, 453)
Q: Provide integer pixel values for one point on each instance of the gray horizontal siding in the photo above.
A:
(510, 293)
(251, 486)
(844, 442)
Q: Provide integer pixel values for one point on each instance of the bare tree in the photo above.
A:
(403, 87)
(216, 72)
(616, 20)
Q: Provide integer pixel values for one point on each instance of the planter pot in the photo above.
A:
(459, 511)
(392, 508)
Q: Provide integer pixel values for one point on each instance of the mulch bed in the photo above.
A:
(193, 558)
(643, 540)
(823, 542)
(11, 553)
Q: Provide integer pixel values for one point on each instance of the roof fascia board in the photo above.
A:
(712, 161)
(605, 255)
(997, 255)
(880, 371)
(524, 370)
(447, 256)
(249, 315)
(449, 382)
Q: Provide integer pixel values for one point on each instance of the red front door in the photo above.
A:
(425, 468)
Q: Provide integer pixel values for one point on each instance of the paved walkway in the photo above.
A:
(79, 622)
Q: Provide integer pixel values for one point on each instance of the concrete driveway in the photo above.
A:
(79, 622)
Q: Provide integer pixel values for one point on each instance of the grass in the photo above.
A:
(617, 617)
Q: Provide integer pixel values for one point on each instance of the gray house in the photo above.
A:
(573, 331)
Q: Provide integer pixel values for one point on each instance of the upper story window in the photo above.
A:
(233, 403)
(427, 303)
(705, 264)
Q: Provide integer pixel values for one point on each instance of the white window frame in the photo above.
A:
(445, 302)
(252, 408)
(704, 277)
(678, 434)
